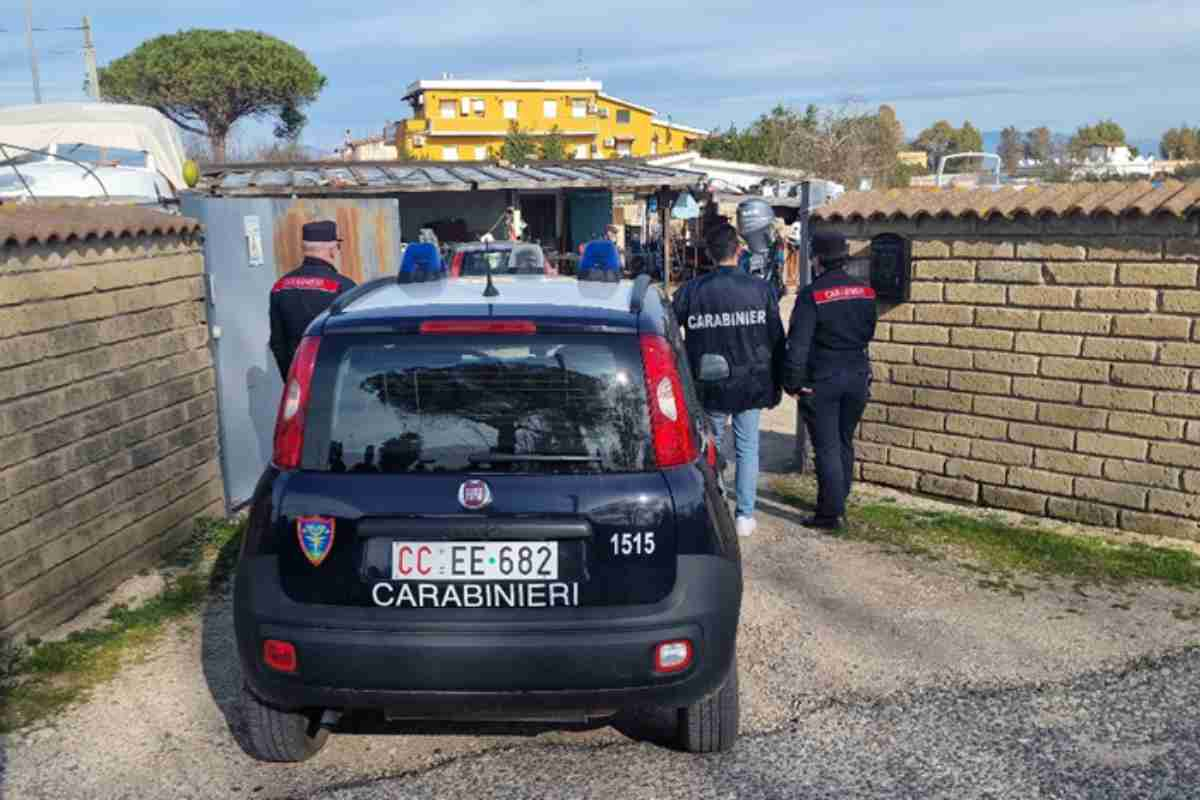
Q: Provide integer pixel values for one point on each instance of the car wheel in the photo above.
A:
(711, 725)
(275, 735)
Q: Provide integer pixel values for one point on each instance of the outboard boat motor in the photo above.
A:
(755, 221)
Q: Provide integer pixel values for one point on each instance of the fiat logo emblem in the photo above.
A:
(474, 495)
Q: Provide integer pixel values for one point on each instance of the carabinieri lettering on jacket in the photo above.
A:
(728, 319)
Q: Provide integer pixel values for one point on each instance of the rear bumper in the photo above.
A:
(579, 661)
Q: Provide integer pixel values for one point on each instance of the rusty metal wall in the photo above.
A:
(370, 227)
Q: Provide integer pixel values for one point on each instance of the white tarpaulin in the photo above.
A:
(102, 124)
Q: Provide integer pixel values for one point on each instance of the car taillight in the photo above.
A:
(280, 656)
(670, 424)
(468, 326)
(673, 656)
(293, 406)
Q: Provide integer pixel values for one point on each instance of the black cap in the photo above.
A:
(827, 244)
(323, 231)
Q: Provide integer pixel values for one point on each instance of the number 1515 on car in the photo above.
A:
(632, 544)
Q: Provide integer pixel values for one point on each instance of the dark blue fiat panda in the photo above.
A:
(490, 499)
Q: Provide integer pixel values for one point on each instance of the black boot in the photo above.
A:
(826, 523)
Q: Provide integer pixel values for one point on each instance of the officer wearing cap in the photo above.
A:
(728, 313)
(828, 369)
(304, 293)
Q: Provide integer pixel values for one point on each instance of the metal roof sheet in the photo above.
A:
(1116, 198)
(395, 177)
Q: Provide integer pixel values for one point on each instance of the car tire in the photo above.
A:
(711, 725)
(281, 736)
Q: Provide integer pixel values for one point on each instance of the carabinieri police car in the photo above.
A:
(490, 499)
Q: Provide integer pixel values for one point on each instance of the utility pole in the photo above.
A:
(89, 61)
(37, 83)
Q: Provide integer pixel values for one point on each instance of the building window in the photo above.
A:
(582, 151)
(654, 147)
(549, 109)
(579, 109)
(624, 149)
(622, 117)
(510, 109)
(481, 154)
(449, 154)
(446, 108)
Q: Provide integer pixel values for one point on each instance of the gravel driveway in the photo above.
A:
(863, 675)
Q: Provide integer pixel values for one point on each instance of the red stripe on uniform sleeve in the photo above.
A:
(307, 284)
(844, 293)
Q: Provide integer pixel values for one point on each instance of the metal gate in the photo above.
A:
(248, 243)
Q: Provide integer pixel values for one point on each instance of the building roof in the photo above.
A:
(621, 102)
(692, 160)
(1141, 198)
(27, 224)
(398, 177)
(485, 86)
(499, 134)
(678, 127)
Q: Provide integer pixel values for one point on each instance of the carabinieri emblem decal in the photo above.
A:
(316, 537)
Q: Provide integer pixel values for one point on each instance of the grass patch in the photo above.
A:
(990, 545)
(40, 679)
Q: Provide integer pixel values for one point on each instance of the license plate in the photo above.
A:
(474, 561)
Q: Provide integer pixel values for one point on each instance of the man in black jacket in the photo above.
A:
(304, 293)
(828, 368)
(728, 313)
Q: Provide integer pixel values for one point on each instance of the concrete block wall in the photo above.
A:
(108, 426)
(1049, 366)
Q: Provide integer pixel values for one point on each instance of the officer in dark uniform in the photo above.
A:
(828, 368)
(729, 313)
(304, 293)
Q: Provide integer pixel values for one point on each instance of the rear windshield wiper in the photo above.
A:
(548, 458)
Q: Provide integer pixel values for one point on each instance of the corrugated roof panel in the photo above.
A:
(1123, 200)
(339, 175)
(25, 225)
(1111, 197)
(373, 176)
(237, 180)
(273, 177)
(1188, 197)
(306, 177)
(312, 178)
(1095, 200)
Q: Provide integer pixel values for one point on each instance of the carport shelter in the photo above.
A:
(252, 214)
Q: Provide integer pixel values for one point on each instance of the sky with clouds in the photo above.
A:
(705, 63)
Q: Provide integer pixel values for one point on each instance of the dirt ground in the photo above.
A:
(824, 620)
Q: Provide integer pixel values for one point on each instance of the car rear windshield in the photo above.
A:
(502, 262)
(546, 403)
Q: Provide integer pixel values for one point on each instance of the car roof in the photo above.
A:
(520, 296)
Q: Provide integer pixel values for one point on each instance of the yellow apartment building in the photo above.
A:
(467, 120)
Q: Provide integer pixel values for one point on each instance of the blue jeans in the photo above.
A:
(745, 447)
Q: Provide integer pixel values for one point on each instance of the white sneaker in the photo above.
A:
(746, 526)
